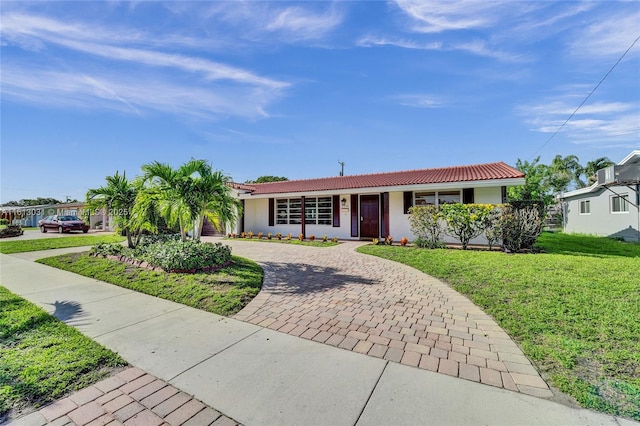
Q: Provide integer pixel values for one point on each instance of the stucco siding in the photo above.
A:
(601, 221)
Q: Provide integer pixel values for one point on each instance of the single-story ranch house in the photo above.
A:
(367, 206)
(610, 207)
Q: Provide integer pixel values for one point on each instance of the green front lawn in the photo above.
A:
(574, 309)
(223, 292)
(42, 359)
(20, 246)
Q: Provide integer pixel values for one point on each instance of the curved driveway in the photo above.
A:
(384, 309)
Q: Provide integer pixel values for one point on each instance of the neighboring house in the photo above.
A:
(608, 210)
(367, 206)
(30, 215)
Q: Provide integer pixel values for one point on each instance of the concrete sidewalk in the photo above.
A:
(259, 376)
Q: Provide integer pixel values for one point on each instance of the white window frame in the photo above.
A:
(623, 204)
(587, 210)
(313, 214)
(436, 194)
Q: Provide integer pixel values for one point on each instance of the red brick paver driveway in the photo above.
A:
(384, 309)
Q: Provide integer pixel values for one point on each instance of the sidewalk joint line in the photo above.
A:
(371, 394)
(139, 322)
(217, 353)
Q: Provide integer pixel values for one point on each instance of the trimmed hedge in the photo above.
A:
(170, 254)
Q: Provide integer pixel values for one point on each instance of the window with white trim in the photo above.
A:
(620, 204)
(585, 207)
(317, 211)
(436, 198)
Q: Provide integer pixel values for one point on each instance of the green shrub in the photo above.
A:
(520, 227)
(426, 226)
(109, 249)
(4, 221)
(186, 255)
(465, 221)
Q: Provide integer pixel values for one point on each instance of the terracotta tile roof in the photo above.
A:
(475, 172)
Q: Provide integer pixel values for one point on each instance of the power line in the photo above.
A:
(587, 98)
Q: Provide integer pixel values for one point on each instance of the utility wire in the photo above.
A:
(587, 98)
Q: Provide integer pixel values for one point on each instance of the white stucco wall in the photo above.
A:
(257, 217)
(601, 221)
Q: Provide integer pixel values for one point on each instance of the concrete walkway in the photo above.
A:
(258, 376)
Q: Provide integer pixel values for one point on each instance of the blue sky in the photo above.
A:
(291, 88)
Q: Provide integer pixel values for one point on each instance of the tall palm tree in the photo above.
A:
(564, 170)
(592, 167)
(118, 198)
(190, 193)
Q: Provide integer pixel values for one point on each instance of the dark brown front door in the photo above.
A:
(369, 216)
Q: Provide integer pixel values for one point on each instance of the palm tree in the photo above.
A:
(564, 170)
(118, 199)
(191, 193)
(592, 167)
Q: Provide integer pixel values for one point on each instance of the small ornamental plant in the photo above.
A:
(388, 240)
(334, 240)
(301, 237)
(250, 234)
(404, 241)
(325, 238)
(243, 235)
(279, 235)
(269, 235)
(312, 237)
(234, 235)
(375, 241)
(288, 238)
(260, 234)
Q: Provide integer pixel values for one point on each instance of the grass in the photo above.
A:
(20, 246)
(314, 243)
(42, 359)
(223, 292)
(574, 309)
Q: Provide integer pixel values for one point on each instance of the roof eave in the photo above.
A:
(395, 188)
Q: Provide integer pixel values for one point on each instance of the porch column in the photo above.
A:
(302, 217)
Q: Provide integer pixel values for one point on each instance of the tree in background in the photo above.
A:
(591, 169)
(537, 186)
(265, 179)
(564, 171)
(39, 201)
(118, 198)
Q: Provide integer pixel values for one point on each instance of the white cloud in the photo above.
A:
(195, 87)
(420, 101)
(438, 16)
(607, 123)
(608, 35)
(475, 47)
(264, 21)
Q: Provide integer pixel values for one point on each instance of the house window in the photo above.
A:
(620, 204)
(425, 199)
(288, 211)
(585, 207)
(436, 198)
(317, 211)
(448, 197)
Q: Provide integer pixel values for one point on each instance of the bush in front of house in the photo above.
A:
(426, 226)
(110, 249)
(186, 255)
(520, 227)
(465, 221)
(516, 226)
(4, 221)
